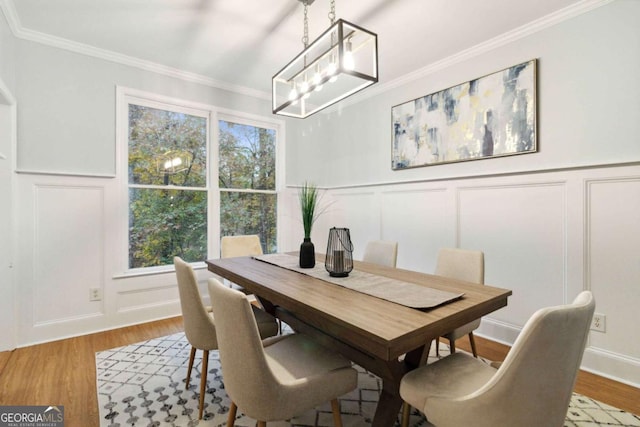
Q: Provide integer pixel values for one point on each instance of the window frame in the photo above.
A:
(125, 97)
(243, 120)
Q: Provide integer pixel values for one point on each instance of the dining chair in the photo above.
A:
(381, 252)
(280, 377)
(243, 245)
(199, 325)
(531, 388)
(467, 265)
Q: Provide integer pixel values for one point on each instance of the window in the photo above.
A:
(247, 181)
(184, 192)
(168, 194)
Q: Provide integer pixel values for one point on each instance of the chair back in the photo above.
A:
(544, 361)
(246, 374)
(198, 324)
(461, 264)
(233, 246)
(534, 385)
(381, 252)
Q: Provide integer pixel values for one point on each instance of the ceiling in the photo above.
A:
(244, 43)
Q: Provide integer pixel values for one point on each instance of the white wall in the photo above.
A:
(7, 142)
(7, 284)
(547, 235)
(587, 107)
(551, 223)
(66, 118)
(69, 205)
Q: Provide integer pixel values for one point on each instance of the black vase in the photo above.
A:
(307, 254)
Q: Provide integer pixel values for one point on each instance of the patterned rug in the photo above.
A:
(144, 385)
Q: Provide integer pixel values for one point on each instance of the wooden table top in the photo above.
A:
(381, 328)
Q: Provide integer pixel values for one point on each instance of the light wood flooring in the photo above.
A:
(63, 372)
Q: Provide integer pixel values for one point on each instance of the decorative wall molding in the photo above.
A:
(471, 177)
(8, 8)
(69, 174)
(19, 31)
(69, 230)
(551, 257)
(526, 30)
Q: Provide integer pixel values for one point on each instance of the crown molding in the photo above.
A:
(11, 15)
(8, 9)
(533, 27)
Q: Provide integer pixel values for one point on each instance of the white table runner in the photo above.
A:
(397, 291)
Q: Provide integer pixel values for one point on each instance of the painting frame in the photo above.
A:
(491, 116)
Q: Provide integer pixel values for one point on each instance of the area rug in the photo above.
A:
(143, 384)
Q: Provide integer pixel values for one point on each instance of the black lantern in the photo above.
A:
(339, 256)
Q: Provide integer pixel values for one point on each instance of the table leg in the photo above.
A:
(390, 371)
(387, 409)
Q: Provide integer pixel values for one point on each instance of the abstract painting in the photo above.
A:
(491, 116)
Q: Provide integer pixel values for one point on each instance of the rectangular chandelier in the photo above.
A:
(339, 63)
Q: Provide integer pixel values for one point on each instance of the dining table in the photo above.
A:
(386, 338)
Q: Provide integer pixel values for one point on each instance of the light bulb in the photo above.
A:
(293, 94)
(349, 63)
(331, 71)
(317, 79)
(304, 87)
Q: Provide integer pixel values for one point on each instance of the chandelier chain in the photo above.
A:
(332, 12)
(305, 37)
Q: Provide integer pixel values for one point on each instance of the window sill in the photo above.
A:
(155, 271)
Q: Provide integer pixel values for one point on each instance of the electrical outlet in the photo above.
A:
(95, 294)
(599, 322)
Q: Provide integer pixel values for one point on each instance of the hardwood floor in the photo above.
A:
(63, 372)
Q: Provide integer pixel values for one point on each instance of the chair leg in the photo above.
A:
(337, 417)
(203, 381)
(473, 345)
(231, 419)
(452, 346)
(437, 347)
(262, 424)
(406, 410)
(192, 356)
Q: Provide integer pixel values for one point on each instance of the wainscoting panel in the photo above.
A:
(613, 261)
(546, 236)
(68, 251)
(151, 298)
(360, 213)
(421, 221)
(521, 229)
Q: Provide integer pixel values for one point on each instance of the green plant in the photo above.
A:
(309, 198)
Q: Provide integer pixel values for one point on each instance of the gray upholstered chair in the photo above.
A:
(280, 377)
(381, 252)
(461, 264)
(531, 388)
(199, 326)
